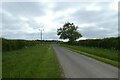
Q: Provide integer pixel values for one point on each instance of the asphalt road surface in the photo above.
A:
(76, 65)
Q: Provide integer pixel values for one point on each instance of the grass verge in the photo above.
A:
(107, 56)
(33, 62)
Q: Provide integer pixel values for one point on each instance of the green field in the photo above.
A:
(105, 55)
(32, 62)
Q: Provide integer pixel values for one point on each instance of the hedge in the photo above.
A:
(9, 45)
(106, 43)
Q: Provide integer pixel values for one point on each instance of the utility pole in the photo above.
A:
(41, 33)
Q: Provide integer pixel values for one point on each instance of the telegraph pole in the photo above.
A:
(41, 33)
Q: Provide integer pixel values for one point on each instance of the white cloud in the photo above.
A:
(59, 0)
(23, 18)
(93, 7)
(84, 25)
(94, 19)
(45, 21)
(2, 11)
(114, 6)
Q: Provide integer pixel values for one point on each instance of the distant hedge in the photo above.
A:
(8, 45)
(107, 43)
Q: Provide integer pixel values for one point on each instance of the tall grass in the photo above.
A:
(33, 62)
(104, 55)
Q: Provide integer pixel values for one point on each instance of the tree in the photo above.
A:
(69, 31)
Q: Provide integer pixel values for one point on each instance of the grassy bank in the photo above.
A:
(104, 55)
(32, 62)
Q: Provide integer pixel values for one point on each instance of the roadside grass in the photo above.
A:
(33, 62)
(104, 55)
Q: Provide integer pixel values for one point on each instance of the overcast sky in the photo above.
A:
(22, 20)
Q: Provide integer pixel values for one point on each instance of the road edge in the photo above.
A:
(105, 60)
(60, 66)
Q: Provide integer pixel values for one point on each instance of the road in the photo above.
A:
(76, 65)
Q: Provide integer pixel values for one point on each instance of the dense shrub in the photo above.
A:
(8, 45)
(106, 43)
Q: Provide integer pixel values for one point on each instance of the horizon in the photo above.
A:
(61, 39)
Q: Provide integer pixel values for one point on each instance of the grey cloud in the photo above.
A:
(83, 15)
(29, 9)
(101, 30)
(105, 20)
(50, 35)
(94, 32)
(92, 16)
(61, 6)
(27, 36)
(32, 36)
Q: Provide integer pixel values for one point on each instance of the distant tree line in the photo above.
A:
(106, 43)
(9, 45)
(49, 40)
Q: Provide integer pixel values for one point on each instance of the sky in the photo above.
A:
(22, 20)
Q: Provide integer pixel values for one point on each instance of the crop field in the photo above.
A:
(32, 62)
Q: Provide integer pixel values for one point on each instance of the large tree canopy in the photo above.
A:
(69, 31)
